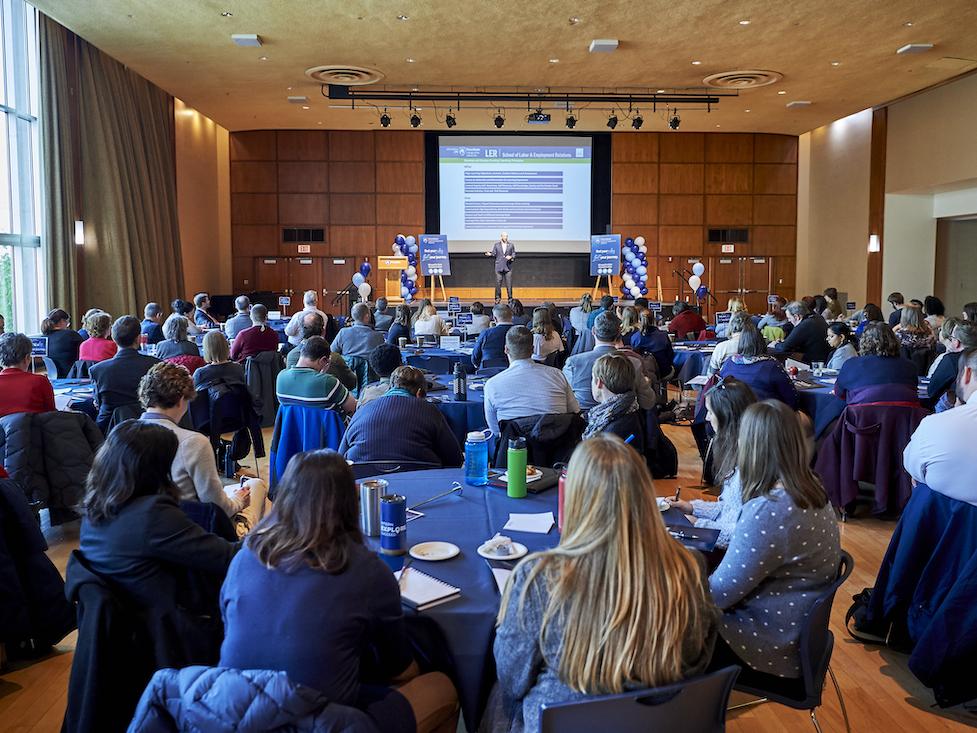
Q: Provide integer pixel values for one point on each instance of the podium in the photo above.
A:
(391, 267)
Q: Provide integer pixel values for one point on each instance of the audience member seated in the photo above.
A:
(754, 366)
(913, 332)
(807, 336)
(606, 304)
(313, 325)
(99, 346)
(490, 345)
(878, 373)
(963, 338)
(733, 306)
(307, 569)
(732, 332)
(165, 393)
(725, 404)
(649, 339)
(616, 410)
(629, 322)
(83, 331)
(559, 323)
(969, 312)
(842, 345)
(766, 587)
(62, 342)
(429, 323)
(241, 319)
(202, 315)
(580, 314)
(941, 451)
(557, 642)
(384, 359)
(685, 321)
(219, 369)
(382, 318)
(21, 391)
(480, 321)
(359, 339)
(400, 328)
(546, 339)
(116, 380)
(579, 367)
(152, 323)
(527, 387)
(775, 317)
(176, 339)
(944, 338)
(401, 426)
(419, 311)
(897, 301)
(871, 313)
(187, 310)
(519, 315)
(260, 337)
(294, 327)
(309, 383)
(935, 312)
(834, 310)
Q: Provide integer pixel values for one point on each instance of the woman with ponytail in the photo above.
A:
(62, 341)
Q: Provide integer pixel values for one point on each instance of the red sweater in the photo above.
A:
(253, 341)
(22, 391)
(686, 321)
(97, 349)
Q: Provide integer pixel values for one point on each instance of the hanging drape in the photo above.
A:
(109, 150)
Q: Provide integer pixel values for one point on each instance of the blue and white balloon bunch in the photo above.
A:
(635, 268)
(407, 246)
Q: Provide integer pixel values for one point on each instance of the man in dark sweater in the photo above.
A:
(117, 379)
(401, 427)
(491, 342)
(807, 337)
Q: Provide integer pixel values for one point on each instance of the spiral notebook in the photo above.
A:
(421, 591)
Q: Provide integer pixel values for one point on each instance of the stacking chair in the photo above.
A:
(697, 704)
(816, 644)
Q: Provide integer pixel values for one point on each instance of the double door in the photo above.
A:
(748, 278)
(292, 276)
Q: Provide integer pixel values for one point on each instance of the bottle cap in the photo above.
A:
(517, 444)
(477, 436)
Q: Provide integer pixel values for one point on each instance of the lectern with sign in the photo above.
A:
(391, 266)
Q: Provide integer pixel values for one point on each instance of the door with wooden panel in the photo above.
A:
(304, 273)
(271, 275)
(725, 278)
(756, 283)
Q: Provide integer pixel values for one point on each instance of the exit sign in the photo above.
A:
(729, 249)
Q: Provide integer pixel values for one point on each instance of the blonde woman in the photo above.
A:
(546, 340)
(913, 331)
(733, 305)
(429, 323)
(617, 604)
(219, 368)
(425, 302)
(99, 345)
(580, 313)
(629, 323)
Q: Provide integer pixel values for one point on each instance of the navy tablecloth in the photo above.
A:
(464, 416)
(81, 393)
(691, 363)
(824, 408)
(437, 354)
(468, 623)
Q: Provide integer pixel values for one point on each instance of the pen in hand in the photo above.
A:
(403, 572)
(678, 490)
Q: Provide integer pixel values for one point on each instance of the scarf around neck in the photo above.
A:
(602, 415)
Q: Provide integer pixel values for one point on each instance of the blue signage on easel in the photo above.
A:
(605, 255)
(38, 345)
(433, 250)
(723, 317)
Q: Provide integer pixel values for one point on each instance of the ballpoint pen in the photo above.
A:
(678, 490)
(403, 571)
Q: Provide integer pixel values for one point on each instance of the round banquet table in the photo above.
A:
(691, 358)
(75, 394)
(463, 416)
(824, 407)
(467, 520)
(452, 356)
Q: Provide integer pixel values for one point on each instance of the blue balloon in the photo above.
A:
(642, 269)
(365, 269)
(358, 279)
(413, 290)
(644, 290)
(399, 239)
(701, 292)
(628, 255)
(629, 241)
(412, 259)
(412, 248)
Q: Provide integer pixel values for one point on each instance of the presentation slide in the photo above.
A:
(536, 188)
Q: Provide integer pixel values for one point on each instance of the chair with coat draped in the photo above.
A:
(261, 374)
(300, 428)
(550, 439)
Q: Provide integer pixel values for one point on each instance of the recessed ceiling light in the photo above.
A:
(744, 22)
(409, 60)
(289, 88)
(781, 92)
(554, 61)
(747, 110)
(574, 20)
(696, 63)
(305, 106)
(262, 58)
(403, 17)
(660, 91)
(717, 125)
(226, 14)
(319, 122)
(908, 24)
(836, 63)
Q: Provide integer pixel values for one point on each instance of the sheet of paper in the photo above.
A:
(537, 523)
(699, 381)
(450, 342)
(501, 576)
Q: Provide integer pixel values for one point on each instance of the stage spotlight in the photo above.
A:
(612, 121)
(450, 120)
(499, 121)
(637, 122)
(415, 120)
(674, 121)
(571, 121)
(384, 119)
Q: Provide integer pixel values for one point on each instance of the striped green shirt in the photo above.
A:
(305, 386)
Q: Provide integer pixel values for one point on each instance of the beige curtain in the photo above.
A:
(113, 141)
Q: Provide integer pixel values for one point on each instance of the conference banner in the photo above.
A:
(605, 254)
(434, 254)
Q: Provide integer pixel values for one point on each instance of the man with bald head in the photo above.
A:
(241, 320)
(313, 325)
(504, 253)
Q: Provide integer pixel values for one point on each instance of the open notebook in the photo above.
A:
(421, 591)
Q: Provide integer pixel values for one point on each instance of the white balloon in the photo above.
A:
(698, 268)
(411, 272)
(694, 282)
(635, 291)
(365, 289)
(396, 248)
(643, 249)
(411, 239)
(640, 241)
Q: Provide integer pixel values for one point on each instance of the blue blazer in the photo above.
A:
(499, 252)
(490, 344)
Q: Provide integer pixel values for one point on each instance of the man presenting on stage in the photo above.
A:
(504, 253)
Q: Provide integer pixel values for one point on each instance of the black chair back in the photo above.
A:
(379, 468)
(697, 704)
(432, 364)
(81, 369)
(493, 363)
(922, 359)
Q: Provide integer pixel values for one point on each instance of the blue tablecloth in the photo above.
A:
(80, 393)
(690, 363)
(468, 623)
(437, 353)
(464, 416)
(824, 408)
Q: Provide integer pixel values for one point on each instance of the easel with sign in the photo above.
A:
(609, 279)
(605, 260)
(434, 271)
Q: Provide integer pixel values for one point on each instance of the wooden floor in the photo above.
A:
(880, 692)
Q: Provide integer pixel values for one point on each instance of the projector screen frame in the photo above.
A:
(600, 175)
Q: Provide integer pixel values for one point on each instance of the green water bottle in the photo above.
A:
(516, 468)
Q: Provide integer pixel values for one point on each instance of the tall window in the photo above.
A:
(21, 266)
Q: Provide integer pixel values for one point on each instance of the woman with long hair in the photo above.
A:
(429, 323)
(546, 339)
(784, 550)
(725, 404)
(519, 315)
(753, 365)
(969, 312)
(935, 312)
(579, 313)
(914, 332)
(421, 307)
(307, 597)
(629, 323)
(733, 306)
(63, 342)
(401, 327)
(649, 339)
(617, 604)
(842, 344)
(871, 313)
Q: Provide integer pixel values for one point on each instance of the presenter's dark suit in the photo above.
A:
(503, 267)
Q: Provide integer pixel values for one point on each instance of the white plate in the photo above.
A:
(519, 550)
(434, 551)
(663, 505)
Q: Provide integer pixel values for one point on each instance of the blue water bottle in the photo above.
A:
(476, 458)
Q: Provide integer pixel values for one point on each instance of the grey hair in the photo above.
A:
(242, 303)
(175, 327)
(14, 348)
(737, 321)
(360, 312)
(502, 313)
(797, 308)
(310, 297)
(151, 310)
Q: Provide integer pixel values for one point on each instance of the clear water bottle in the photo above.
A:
(476, 458)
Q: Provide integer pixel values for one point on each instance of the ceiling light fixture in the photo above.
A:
(571, 122)
(409, 60)
(908, 24)
(574, 20)
(403, 17)
(450, 120)
(499, 120)
(305, 106)
(415, 120)
(781, 92)
(873, 243)
(836, 63)
(246, 39)
(554, 61)
(384, 119)
(744, 22)
(674, 121)
(637, 122)
(612, 121)
(660, 91)
(697, 63)
(262, 58)
(227, 14)
(747, 110)
(717, 125)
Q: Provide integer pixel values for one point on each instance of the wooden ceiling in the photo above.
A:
(185, 47)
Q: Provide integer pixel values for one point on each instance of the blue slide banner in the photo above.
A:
(605, 254)
(434, 254)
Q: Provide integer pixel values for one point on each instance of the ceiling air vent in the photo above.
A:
(347, 76)
(743, 79)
